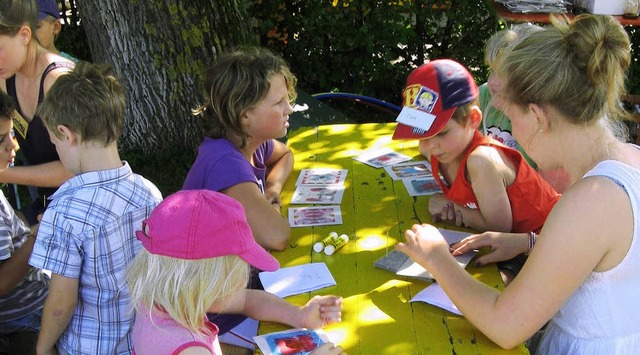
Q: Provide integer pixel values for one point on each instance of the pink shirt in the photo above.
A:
(162, 335)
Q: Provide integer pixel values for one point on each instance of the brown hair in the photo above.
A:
(89, 100)
(17, 13)
(236, 83)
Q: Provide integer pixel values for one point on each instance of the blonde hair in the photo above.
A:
(502, 42)
(578, 68)
(236, 83)
(184, 289)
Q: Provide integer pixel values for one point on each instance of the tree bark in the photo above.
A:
(160, 50)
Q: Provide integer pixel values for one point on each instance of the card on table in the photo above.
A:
(330, 194)
(414, 169)
(421, 186)
(379, 158)
(321, 177)
(314, 216)
(291, 342)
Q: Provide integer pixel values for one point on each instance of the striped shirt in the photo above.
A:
(88, 233)
(29, 294)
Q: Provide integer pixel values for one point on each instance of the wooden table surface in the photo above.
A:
(377, 315)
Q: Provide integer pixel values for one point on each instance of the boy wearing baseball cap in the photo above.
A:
(486, 185)
(198, 249)
(49, 27)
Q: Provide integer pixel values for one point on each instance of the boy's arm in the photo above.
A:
(58, 310)
(14, 269)
(487, 171)
(263, 306)
(279, 166)
(51, 174)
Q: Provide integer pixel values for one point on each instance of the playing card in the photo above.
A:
(421, 186)
(381, 157)
(414, 169)
(314, 216)
(321, 177)
(330, 194)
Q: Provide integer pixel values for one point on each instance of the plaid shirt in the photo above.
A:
(88, 233)
(29, 294)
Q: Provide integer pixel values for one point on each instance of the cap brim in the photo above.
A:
(404, 131)
(260, 259)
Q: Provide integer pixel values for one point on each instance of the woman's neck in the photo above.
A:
(31, 68)
(583, 147)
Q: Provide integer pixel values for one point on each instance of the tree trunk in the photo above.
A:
(160, 49)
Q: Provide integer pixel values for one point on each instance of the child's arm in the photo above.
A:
(270, 229)
(261, 305)
(14, 269)
(58, 310)
(279, 166)
(489, 175)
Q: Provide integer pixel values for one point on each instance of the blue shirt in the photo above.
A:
(88, 233)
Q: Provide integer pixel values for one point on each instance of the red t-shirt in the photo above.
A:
(531, 197)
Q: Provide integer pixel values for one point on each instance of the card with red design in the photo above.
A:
(314, 216)
(379, 158)
(291, 342)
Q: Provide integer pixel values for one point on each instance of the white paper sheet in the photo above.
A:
(434, 294)
(294, 280)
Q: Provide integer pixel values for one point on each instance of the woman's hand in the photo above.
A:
(321, 311)
(504, 246)
(422, 243)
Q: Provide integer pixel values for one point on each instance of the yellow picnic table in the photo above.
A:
(376, 210)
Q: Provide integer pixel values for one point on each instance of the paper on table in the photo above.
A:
(434, 294)
(294, 280)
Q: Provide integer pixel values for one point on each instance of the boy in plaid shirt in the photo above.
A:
(87, 234)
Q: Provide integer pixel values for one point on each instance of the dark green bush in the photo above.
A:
(368, 47)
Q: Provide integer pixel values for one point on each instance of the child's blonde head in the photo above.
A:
(88, 100)
(185, 289)
(502, 42)
(236, 83)
(578, 68)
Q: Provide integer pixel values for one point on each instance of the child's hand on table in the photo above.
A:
(443, 210)
(321, 311)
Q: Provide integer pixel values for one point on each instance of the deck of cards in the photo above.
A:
(318, 187)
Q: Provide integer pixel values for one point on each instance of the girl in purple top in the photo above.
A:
(249, 101)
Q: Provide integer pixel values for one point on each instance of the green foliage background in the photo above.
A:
(368, 47)
(360, 46)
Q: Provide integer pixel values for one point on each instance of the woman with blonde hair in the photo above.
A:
(561, 91)
(197, 250)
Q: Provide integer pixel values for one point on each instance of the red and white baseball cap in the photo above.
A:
(433, 92)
